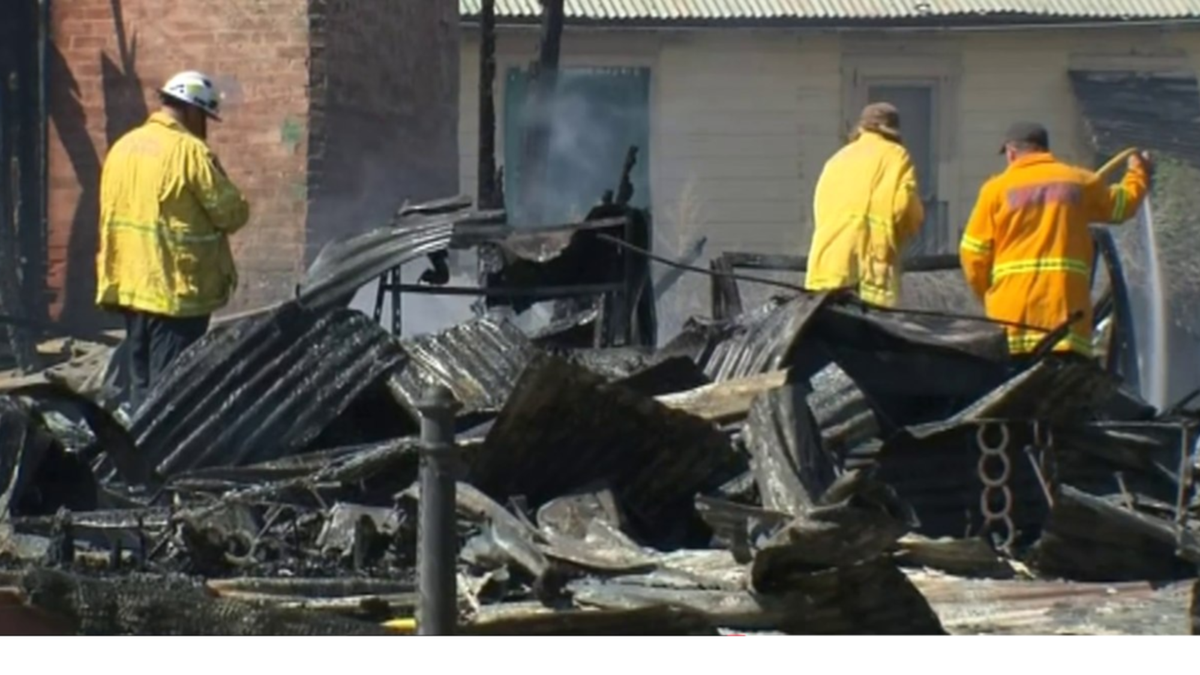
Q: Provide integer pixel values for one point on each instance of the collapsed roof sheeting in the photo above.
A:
(37, 474)
(842, 411)
(868, 598)
(905, 365)
(939, 477)
(98, 431)
(1053, 607)
(261, 389)
(344, 266)
(19, 453)
(564, 427)
(762, 340)
(976, 337)
(129, 605)
(479, 361)
(642, 369)
(1051, 391)
(790, 466)
(1094, 539)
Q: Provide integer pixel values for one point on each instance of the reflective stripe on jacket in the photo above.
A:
(865, 210)
(166, 212)
(1027, 250)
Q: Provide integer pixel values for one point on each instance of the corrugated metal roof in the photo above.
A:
(564, 427)
(261, 389)
(839, 10)
(479, 361)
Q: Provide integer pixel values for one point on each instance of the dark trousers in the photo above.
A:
(152, 343)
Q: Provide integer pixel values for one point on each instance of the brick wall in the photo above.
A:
(336, 111)
(385, 111)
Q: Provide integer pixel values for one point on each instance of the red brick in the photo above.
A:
(266, 47)
(85, 43)
(228, 38)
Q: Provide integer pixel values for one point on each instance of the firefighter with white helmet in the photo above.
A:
(167, 210)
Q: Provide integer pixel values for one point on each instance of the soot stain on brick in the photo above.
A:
(291, 133)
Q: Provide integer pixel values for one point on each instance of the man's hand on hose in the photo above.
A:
(1143, 160)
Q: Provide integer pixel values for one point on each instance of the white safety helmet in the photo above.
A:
(194, 88)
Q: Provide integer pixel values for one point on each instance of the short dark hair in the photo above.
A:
(172, 102)
(1028, 146)
(1027, 136)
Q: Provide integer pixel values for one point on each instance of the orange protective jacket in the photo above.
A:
(866, 208)
(1027, 250)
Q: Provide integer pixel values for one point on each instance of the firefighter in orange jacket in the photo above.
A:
(1027, 250)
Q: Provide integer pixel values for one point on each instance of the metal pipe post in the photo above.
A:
(437, 540)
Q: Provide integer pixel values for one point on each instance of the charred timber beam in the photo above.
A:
(487, 107)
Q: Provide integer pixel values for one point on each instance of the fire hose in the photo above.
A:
(620, 243)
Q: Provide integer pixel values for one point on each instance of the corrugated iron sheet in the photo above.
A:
(479, 361)
(345, 265)
(728, 10)
(842, 411)
(262, 388)
(939, 478)
(763, 339)
(790, 466)
(564, 427)
(868, 598)
(641, 369)
(866, 327)
(1045, 607)
(1100, 539)
(1050, 391)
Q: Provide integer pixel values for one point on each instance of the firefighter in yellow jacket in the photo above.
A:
(1027, 250)
(865, 210)
(167, 210)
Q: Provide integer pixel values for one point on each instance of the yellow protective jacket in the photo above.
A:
(166, 212)
(865, 210)
(1027, 251)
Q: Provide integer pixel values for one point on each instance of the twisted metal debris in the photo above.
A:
(805, 467)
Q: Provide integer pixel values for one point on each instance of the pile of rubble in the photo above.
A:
(811, 466)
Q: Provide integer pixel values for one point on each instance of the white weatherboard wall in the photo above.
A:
(743, 120)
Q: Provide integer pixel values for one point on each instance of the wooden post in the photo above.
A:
(487, 193)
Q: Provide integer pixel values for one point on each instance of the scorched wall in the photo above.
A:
(336, 112)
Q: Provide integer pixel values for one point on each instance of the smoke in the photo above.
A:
(593, 122)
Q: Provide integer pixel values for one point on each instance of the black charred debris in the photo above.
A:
(807, 467)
